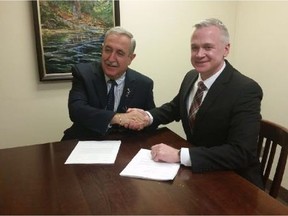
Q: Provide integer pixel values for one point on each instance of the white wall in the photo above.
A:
(33, 112)
(261, 52)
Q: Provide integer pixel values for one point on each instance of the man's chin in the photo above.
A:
(200, 69)
(111, 70)
(111, 73)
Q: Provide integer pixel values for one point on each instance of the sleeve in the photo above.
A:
(167, 113)
(150, 104)
(94, 118)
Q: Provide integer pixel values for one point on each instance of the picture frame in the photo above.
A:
(70, 32)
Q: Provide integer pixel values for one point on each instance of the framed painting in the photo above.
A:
(70, 32)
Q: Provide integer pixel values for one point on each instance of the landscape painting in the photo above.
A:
(70, 32)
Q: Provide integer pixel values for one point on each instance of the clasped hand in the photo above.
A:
(135, 119)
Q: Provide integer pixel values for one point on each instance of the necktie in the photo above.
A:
(111, 97)
(196, 102)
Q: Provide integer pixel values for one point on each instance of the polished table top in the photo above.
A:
(35, 180)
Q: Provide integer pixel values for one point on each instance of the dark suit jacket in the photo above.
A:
(226, 125)
(88, 99)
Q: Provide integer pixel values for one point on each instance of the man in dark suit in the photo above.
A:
(88, 97)
(225, 129)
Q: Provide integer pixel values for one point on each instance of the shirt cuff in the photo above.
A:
(150, 118)
(185, 157)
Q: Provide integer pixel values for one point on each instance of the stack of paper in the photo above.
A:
(92, 152)
(142, 166)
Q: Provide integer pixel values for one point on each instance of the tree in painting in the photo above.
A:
(72, 31)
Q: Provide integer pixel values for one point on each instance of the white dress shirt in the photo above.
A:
(184, 153)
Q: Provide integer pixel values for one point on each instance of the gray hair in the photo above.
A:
(217, 23)
(121, 31)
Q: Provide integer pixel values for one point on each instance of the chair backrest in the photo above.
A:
(272, 135)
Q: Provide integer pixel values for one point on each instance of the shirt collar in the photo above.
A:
(208, 82)
(119, 80)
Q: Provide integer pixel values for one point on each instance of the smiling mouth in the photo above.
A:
(200, 63)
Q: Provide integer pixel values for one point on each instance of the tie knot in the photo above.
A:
(202, 86)
(112, 82)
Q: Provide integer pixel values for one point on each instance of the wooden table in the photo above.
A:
(35, 180)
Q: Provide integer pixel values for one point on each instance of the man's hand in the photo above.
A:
(138, 119)
(135, 119)
(165, 153)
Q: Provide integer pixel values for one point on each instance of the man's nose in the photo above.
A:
(200, 53)
(112, 56)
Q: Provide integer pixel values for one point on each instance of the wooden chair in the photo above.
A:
(272, 135)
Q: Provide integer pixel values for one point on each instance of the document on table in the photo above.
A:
(142, 166)
(94, 152)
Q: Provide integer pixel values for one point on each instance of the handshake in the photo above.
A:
(134, 119)
(137, 119)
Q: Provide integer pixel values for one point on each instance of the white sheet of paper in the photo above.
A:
(142, 166)
(92, 152)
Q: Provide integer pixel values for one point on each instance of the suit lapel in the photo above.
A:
(217, 87)
(100, 85)
(187, 87)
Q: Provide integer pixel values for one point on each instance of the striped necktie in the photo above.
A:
(196, 103)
